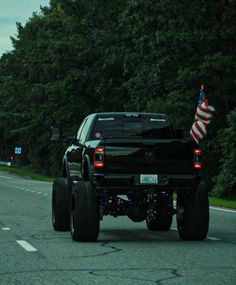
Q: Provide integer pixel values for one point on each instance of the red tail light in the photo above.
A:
(197, 162)
(98, 160)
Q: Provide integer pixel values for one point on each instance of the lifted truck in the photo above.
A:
(130, 164)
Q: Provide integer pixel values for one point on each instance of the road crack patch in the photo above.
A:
(106, 244)
(153, 275)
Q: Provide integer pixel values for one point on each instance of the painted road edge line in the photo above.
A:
(215, 208)
(26, 245)
(222, 209)
(213, 238)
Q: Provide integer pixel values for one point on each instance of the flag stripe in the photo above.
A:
(202, 118)
(206, 106)
(195, 136)
(204, 109)
(204, 113)
(201, 128)
(196, 130)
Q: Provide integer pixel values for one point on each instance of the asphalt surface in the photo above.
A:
(31, 252)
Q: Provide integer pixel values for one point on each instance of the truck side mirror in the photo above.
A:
(179, 134)
(55, 134)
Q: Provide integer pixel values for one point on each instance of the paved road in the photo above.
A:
(126, 253)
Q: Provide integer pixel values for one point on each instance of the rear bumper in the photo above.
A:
(131, 182)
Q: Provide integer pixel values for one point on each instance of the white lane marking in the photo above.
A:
(213, 238)
(26, 245)
(223, 210)
(6, 229)
(25, 189)
(5, 177)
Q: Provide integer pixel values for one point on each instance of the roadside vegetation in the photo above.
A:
(222, 203)
(77, 57)
(27, 173)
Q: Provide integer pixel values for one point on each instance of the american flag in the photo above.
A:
(203, 116)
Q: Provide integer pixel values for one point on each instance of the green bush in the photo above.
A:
(226, 180)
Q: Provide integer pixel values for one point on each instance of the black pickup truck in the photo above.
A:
(130, 164)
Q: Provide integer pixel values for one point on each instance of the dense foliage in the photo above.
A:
(78, 57)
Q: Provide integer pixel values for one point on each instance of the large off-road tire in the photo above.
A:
(193, 214)
(164, 214)
(84, 213)
(61, 204)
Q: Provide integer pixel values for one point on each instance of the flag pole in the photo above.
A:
(202, 95)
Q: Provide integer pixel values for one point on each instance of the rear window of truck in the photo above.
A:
(133, 127)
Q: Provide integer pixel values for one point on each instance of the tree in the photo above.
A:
(226, 180)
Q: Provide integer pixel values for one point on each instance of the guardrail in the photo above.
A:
(5, 163)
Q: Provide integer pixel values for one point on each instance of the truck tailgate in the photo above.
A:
(130, 156)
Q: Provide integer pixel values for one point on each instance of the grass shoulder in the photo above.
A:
(222, 203)
(27, 173)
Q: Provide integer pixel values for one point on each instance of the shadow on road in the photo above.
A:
(126, 235)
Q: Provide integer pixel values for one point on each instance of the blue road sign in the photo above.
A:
(18, 150)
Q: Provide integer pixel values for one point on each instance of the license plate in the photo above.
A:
(148, 178)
